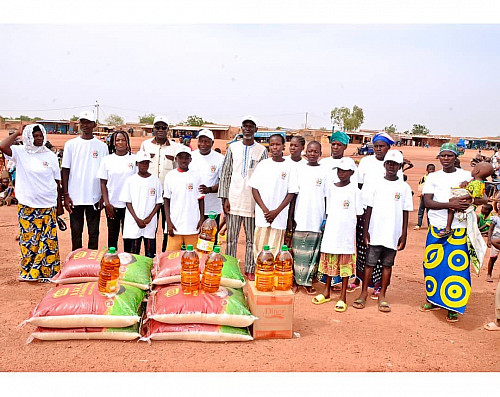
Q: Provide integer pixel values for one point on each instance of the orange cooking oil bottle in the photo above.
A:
(264, 271)
(210, 281)
(206, 239)
(190, 270)
(109, 273)
(283, 269)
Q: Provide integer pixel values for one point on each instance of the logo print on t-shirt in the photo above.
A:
(95, 154)
(283, 175)
(346, 204)
(397, 196)
(189, 186)
(212, 169)
(130, 165)
(152, 191)
(45, 164)
(319, 182)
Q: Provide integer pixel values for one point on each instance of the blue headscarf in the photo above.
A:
(384, 137)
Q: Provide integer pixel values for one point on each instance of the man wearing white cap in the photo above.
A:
(238, 203)
(208, 163)
(81, 187)
(162, 152)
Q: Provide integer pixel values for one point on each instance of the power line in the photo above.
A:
(43, 110)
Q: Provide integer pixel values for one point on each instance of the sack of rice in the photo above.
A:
(82, 265)
(167, 269)
(227, 306)
(82, 305)
(86, 333)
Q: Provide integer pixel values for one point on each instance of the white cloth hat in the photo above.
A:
(159, 119)
(207, 133)
(182, 149)
(346, 163)
(87, 115)
(249, 118)
(142, 156)
(394, 155)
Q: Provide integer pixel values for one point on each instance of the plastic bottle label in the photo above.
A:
(204, 245)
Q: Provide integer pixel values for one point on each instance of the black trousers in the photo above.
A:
(93, 217)
(163, 221)
(134, 246)
(114, 226)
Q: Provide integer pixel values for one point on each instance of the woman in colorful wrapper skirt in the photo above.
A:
(38, 193)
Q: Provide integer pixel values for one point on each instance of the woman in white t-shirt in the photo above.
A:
(113, 172)
(38, 193)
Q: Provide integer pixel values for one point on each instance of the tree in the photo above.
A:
(346, 119)
(195, 121)
(74, 118)
(419, 129)
(391, 129)
(147, 118)
(114, 119)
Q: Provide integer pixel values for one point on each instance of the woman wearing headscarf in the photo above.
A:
(369, 168)
(113, 172)
(38, 192)
(447, 259)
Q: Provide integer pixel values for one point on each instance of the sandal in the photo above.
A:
(452, 317)
(492, 326)
(320, 299)
(383, 306)
(375, 294)
(359, 303)
(427, 307)
(417, 227)
(353, 287)
(310, 290)
(340, 306)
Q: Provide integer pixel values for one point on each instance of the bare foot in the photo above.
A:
(310, 290)
(250, 276)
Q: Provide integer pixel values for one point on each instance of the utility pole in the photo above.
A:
(97, 111)
(305, 126)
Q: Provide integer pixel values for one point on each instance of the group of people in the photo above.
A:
(342, 220)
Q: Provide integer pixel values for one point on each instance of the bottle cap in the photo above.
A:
(217, 249)
(183, 247)
(284, 248)
(112, 250)
(189, 248)
(212, 215)
(266, 247)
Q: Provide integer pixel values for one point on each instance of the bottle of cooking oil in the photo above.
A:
(206, 239)
(190, 270)
(212, 274)
(109, 273)
(283, 269)
(264, 271)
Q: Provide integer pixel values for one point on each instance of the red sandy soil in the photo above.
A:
(357, 340)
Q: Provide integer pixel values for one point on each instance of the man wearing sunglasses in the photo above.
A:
(162, 152)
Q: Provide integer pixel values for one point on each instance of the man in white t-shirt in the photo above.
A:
(208, 164)
(238, 203)
(81, 187)
(162, 152)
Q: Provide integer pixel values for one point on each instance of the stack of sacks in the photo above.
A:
(83, 265)
(167, 269)
(222, 316)
(80, 311)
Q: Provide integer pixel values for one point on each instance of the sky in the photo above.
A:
(444, 76)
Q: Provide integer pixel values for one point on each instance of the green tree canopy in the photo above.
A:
(390, 129)
(74, 118)
(419, 129)
(114, 119)
(147, 118)
(346, 119)
(195, 121)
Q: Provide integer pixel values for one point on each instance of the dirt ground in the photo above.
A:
(357, 340)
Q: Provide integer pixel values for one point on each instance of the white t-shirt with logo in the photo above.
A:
(388, 200)
(143, 194)
(439, 185)
(310, 203)
(329, 163)
(182, 190)
(83, 158)
(301, 161)
(209, 167)
(343, 206)
(115, 170)
(36, 175)
(274, 180)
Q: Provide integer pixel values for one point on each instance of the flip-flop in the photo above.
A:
(452, 317)
(375, 294)
(353, 287)
(492, 326)
(427, 307)
(340, 306)
(359, 303)
(320, 299)
(489, 279)
(312, 291)
(383, 306)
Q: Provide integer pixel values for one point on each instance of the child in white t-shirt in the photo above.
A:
(142, 195)
(274, 183)
(388, 202)
(338, 247)
(184, 204)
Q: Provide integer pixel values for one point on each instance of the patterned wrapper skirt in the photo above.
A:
(337, 265)
(305, 247)
(361, 251)
(447, 269)
(38, 242)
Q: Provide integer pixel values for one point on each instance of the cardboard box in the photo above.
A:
(274, 310)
